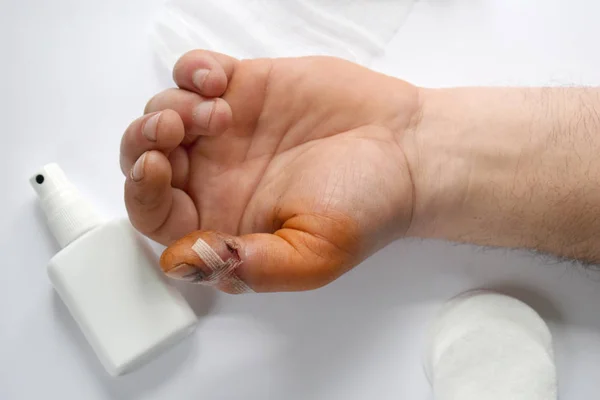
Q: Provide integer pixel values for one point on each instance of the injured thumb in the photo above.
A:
(289, 260)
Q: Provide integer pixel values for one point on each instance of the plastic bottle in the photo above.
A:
(108, 277)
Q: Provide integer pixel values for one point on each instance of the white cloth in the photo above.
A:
(488, 346)
(357, 30)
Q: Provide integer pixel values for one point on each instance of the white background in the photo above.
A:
(73, 73)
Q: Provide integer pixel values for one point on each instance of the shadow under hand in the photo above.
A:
(202, 299)
(336, 332)
(379, 313)
(137, 383)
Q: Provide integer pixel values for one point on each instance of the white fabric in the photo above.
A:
(357, 30)
(488, 346)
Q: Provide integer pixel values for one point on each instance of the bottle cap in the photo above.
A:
(68, 214)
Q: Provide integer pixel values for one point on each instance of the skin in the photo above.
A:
(513, 167)
(308, 166)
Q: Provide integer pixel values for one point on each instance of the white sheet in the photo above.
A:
(357, 30)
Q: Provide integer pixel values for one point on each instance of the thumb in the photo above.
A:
(288, 260)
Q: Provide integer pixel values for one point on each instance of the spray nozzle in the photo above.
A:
(49, 179)
(69, 215)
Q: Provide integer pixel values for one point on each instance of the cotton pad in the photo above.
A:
(357, 30)
(489, 346)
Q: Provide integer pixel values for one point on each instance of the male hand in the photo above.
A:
(290, 170)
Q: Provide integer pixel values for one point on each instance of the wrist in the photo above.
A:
(439, 164)
(507, 167)
(478, 154)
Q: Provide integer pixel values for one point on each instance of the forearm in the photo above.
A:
(509, 167)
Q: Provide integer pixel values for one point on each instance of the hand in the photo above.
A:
(292, 168)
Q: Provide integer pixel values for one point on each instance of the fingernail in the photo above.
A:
(149, 129)
(137, 172)
(203, 112)
(188, 273)
(199, 77)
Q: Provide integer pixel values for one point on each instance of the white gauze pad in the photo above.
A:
(488, 346)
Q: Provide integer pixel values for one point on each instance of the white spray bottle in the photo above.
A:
(107, 276)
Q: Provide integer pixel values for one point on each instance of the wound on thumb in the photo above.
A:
(205, 257)
(288, 260)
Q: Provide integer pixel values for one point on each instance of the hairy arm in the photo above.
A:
(510, 167)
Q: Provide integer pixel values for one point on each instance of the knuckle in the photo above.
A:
(156, 101)
(147, 201)
(149, 105)
(142, 197)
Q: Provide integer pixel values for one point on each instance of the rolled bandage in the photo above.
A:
(209, 260)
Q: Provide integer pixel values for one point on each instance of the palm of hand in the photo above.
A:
(305, 145)
(312, 149)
